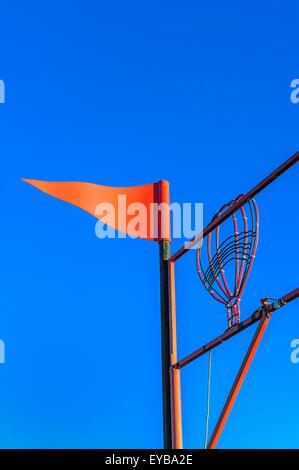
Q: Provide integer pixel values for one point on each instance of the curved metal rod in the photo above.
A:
(240, 247)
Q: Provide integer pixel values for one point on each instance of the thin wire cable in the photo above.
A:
(208, 399)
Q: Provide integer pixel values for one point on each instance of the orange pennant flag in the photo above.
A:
(138, 211)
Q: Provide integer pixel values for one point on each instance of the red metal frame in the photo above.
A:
(229, 333)
(266, 310)
(262, 314)
(239, 381)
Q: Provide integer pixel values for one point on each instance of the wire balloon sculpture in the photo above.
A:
(230, 261)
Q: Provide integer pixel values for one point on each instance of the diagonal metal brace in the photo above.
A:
(240, 377)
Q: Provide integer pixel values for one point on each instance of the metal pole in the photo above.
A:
(294, 294)
(175, 374)
(253, 192)
(164, 247)
(239, 380)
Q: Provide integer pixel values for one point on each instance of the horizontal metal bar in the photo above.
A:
(229, 333)
(290, 296)
(220, 339)
(253, 192)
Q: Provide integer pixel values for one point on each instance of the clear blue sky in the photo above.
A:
(129, 92)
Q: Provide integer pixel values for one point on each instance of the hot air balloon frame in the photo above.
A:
(225, 258)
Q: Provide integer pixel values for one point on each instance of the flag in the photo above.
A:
(138, 211)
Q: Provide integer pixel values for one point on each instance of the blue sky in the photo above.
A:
(125, 93)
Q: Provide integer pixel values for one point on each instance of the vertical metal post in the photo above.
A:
(164, 247)
(175, 374)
